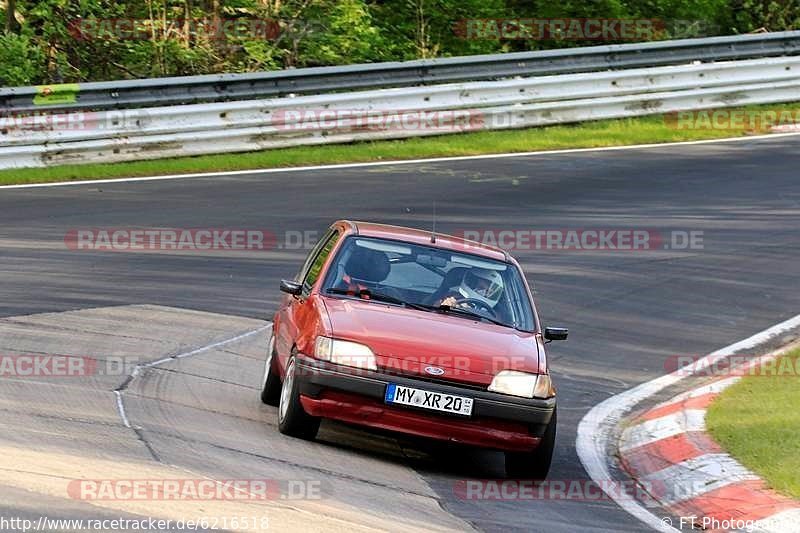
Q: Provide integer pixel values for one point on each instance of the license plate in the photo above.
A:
(435, 401)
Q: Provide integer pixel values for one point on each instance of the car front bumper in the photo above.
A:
(356, 396)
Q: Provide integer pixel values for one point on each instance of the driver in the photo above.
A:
(478, 284)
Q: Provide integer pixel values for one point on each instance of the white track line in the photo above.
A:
(397, 162)
(137, 370)
(596, 428)
(121, 409)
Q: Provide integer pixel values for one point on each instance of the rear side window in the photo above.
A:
(316, 266)
(313, 254)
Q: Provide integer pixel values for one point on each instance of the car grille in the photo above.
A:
(429, 379)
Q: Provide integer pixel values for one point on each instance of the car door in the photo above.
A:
(297, 314)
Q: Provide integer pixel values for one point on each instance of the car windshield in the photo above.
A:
(433, 279)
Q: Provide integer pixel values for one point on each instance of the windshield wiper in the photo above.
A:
(467, 312)
(367, 294)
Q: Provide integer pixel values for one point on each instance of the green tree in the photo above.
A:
(769, 15)
(428, 28)
(21, 61)
(339, 32)
(42, 42)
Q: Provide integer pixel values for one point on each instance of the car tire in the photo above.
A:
(292, 418)
(536, 464)
(271, 385)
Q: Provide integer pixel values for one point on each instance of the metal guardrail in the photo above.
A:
(258, 124)
(542, 93)
(225, 87)
(510, 102)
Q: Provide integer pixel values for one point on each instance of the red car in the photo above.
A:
(419, 333)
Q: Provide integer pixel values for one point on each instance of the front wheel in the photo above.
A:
(271, 384)
(292, 419)
(535, 464)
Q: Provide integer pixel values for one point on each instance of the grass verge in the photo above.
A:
(619, 132)
(758, 422)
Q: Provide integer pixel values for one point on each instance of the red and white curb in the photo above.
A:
(668, 450)
(785, 128)
(669, 453)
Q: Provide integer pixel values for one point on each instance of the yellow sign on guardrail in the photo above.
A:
(65, 93)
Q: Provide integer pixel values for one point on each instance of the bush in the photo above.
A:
(21, 62)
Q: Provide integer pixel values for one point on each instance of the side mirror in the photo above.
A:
(291, 287)
(556, 334)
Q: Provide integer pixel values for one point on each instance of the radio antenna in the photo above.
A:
(433, 232)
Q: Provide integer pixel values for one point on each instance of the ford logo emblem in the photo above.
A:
(434, 370)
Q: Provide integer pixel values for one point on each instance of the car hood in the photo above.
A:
(406, 341)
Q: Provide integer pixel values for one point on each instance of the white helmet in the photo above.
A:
(482, 284)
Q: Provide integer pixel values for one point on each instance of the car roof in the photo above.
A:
(423, 237)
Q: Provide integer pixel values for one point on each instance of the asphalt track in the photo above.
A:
(628, 312)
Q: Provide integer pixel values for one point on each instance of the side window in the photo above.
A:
(316, 266)
(313, 254)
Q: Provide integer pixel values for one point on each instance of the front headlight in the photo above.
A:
(344, 353)
(522, 384)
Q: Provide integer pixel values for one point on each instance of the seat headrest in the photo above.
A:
(368, 265)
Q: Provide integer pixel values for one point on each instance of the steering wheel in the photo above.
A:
(476, 305)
